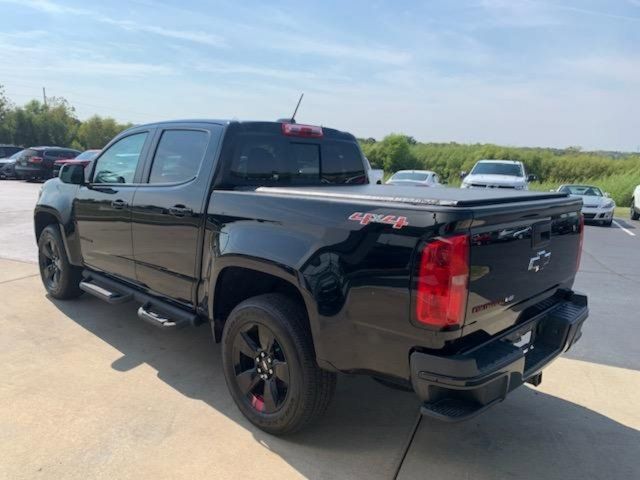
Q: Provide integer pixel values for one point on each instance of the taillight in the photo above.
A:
(580, 241)
(35, 160)
(442, 287)
(297, 130)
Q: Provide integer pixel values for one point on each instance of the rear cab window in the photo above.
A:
(259, 154)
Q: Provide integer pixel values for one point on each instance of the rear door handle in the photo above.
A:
(119, 204)
(180, 211)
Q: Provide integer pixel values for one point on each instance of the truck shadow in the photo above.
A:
(532, 435)
(365, 428)
(365, 431)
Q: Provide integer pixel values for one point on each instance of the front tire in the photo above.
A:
(269, 365)
(60, 278)
(632, 210)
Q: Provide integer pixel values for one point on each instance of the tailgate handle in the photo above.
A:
(541, 234)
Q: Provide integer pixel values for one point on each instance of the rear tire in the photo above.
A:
(269, 365)
(60, 278)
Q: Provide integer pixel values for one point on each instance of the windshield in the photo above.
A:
(585, 190)
(87, 155)
(418, 176)
(497, 168)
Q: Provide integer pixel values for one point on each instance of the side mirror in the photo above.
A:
(72, 173)
(444, 181)
(531, 178)
(463, 174)
(607, 194)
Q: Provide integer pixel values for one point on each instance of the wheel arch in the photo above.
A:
(239, 278)
(45, 216)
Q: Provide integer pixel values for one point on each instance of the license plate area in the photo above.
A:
(523, 338)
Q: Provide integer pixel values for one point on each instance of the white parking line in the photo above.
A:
(625, 230)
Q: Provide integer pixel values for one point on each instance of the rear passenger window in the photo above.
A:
(178, 156)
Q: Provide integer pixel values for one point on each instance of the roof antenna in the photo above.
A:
(293, 117)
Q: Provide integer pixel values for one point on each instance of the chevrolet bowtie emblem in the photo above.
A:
(539, 261)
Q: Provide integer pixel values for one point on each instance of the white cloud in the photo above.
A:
(48, 6)
(308, 46)
(110, 68)
(189, 35)
(277, 73)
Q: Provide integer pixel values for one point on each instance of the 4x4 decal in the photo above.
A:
(367, 218)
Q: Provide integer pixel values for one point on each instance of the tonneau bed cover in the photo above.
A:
(446, 197)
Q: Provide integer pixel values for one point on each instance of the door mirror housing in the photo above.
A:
(607, 194)
(531, 178)
(463, 174)
(72, 173)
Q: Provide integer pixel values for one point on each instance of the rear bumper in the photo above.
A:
(458, 387)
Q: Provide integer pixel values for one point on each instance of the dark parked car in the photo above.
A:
(270, 233)
(83, 159)
(37, 162)
(7, 150)
(8, 165)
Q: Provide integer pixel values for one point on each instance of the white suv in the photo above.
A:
(635, 204)
(497, 174)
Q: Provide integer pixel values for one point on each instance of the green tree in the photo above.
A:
(6, 128)
(95, 132)
(396, 154)
(39, 124)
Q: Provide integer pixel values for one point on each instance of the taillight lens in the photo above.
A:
(297, 130)
(580, 241)
(35, 160)
(442, 285)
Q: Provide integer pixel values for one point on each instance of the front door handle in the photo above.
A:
(119, 204)
(180, 211)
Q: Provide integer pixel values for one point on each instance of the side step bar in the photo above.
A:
(159, 320)
(153, 310)
(104, 294)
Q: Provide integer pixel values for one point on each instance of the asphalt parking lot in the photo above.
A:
(88, 391)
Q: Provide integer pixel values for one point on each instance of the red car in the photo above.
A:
(84, 159)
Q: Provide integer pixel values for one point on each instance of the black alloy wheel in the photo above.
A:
(261, 368)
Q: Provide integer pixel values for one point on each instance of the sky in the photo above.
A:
(553, 73)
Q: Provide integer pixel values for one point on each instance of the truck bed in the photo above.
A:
(446, 197)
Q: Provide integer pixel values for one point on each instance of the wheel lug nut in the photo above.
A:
(269, 360)
(259, 370)
(262, 354)
(270, 371)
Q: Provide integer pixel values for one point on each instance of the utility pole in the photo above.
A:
(44, 96)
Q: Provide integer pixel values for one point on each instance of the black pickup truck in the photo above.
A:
(271, 233)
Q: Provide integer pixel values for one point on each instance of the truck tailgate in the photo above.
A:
(520, 254)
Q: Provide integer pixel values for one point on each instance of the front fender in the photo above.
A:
(56, 202)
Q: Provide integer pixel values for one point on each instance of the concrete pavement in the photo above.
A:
(17, 240)
(89, 391)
